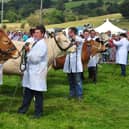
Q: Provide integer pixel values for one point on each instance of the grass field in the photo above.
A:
(104, 106)
(73, 4)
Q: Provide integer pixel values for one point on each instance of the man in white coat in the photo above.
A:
(73, 65)
(122, 52)
(92, 67)
(34, 79)
(93, 61)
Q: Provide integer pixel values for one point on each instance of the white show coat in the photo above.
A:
(30, 40)
(93, 61)
(35, 75)
(122, 51)
(1, 74)
(73, 61)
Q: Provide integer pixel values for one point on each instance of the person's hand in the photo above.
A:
(110, 41)
(77, 43)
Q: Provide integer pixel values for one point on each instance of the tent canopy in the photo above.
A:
(108, 26)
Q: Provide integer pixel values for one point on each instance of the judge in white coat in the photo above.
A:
(73, 65)
(34, 79)
(122, 52)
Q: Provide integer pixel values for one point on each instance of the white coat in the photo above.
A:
(93, 61)
(73, 61)
(30, 40)
(34, 77)
(122, 51)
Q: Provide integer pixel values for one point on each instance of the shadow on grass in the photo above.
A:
(9, 91)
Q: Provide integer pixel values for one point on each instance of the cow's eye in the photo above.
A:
(6, 42)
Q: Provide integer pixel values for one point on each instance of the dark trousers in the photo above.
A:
(75, 84)
(27, 97)
(92, 71)
(123, 69)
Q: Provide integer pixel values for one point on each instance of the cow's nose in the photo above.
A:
(16, 54)
(12, 48)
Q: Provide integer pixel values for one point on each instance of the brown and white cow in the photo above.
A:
(12, 66)
(90, 48)
(7, 48)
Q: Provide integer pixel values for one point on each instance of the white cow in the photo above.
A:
(12, 66)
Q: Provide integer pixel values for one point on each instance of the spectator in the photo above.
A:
(25, 36)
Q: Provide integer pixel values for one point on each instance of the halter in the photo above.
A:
(98, 47)
(62, 49)
(7, 52)
(24, 56)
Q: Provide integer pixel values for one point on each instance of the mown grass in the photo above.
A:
(73, 4)
(104, 106)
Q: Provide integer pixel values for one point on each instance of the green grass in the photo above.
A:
(73, 4)
(105, 105)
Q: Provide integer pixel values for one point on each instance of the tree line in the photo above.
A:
(56, 11)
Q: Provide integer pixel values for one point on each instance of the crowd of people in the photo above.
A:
(18, 35)
(34, 77)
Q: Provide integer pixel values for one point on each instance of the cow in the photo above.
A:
(90, 48)
(56, 45)
(7, 48)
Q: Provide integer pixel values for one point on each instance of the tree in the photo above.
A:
(69, 16)
(56, 16)
(60, 5)
(33, 19)
(99, 3)
(124, 9)
(113, 8)
(47, 3)
(12, 16)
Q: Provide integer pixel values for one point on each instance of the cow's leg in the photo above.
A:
(90, 72)
(94, 72)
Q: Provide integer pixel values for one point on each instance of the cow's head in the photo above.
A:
(95, 47)
(62, 41)
(91, 48)
(7, 48)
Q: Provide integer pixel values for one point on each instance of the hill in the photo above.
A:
(117, 19)
(63, 10)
